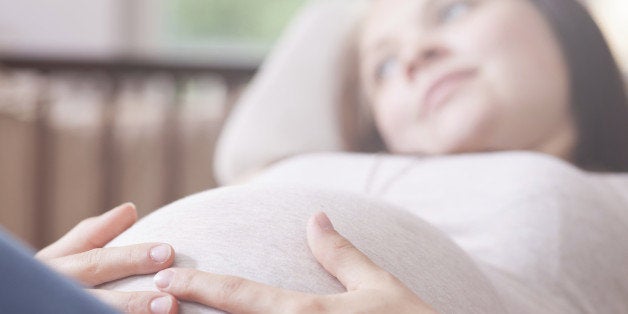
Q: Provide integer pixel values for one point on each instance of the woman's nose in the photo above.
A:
(420, 58)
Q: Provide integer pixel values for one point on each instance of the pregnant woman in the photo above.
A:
(484, 233)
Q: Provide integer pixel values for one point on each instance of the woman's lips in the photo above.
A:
(442, 89)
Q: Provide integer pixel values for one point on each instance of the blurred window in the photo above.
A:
(229, 28)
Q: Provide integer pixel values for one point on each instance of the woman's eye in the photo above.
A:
(386, 68)
(454, 10)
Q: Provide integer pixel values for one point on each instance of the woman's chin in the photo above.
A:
(464, 127)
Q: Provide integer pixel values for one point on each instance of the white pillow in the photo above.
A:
(291, 105)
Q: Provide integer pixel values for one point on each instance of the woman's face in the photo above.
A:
(451, 76)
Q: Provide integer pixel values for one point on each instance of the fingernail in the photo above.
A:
(163, 278)
(127, 204)
(160, 253)
(115, 209)
(323, 222)
(161, 305)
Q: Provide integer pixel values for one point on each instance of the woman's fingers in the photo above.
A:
(92, 232)
(138, 302)
(372, 290)
(107, 264)
(227, 293)
(340, 258)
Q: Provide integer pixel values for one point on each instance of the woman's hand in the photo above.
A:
(80, 255)
(370, 289)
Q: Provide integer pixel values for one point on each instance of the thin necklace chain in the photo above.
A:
(377, 162)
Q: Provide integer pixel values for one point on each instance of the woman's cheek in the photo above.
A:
(390, 120)
(489, 33)
(393, 115)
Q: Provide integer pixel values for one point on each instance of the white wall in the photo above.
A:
(60, 27)
(612, 16)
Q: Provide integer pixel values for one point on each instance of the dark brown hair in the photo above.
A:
(597, 95)
(598, 98)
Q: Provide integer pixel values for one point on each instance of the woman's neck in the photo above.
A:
(561, 144)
